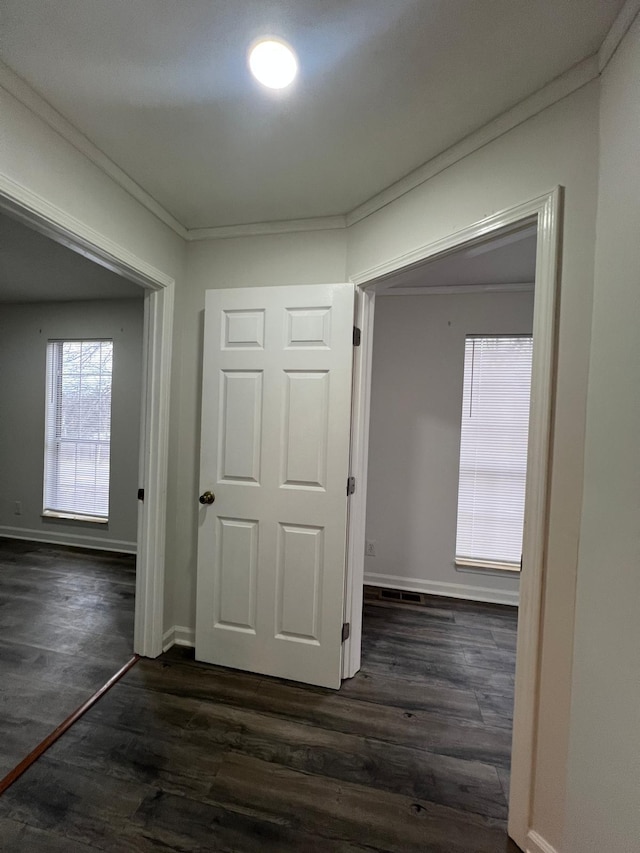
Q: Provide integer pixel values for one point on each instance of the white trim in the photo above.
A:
(154, 458)
(256, 229)
(28, 96)
(384, 274)
(76, 540)
(467, 564)
(73, 516)
(537, 844)
(178, 635)
(535, 519)
(516, 287)
(56, 223)
(572, 80)
(357, 504)
(624, 20)
(448, 590)
(60, 226)
(567, 83)
(546, 211)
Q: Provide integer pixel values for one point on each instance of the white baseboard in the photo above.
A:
(178, 635)
(449, 590)
(99, 543)
(537, 844)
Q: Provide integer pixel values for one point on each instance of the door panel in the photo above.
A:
(276, 404)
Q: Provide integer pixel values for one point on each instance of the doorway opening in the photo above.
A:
(86, 367)
(71, 390)
(539, 220)
(159, 288)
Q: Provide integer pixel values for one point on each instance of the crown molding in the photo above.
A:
(27, 96)
(256, 229)
(572, 80)
(564, 85)
(618, 31)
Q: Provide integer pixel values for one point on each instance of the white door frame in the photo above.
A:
(48, 219)
(546, 212)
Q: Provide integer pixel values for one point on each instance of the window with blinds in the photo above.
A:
(78, 429)
(493, 450)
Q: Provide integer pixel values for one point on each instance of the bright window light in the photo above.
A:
(273, 63)
(78, 429)
(493, 450)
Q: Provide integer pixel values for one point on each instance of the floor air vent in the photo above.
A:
(376, 593)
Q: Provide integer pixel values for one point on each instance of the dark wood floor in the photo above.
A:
(66, 625)
(410, 755)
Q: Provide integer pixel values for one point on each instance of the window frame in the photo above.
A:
(480, 563)
(53, 403)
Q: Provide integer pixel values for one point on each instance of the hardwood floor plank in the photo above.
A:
(436, 634)
(496, 709)
(175, 764)
(54, 667)
(66, 625)
(18, 837)
(505, 778)
(352, 813)
(464, 784)
(19, 735)
(87, 807)
(491, 620)
(402, 721)
(79, 594)
(409, 614)
(42, 701)
(456, 674)
(144, 712)
(412, 754)
(502, 659)
(195, 827)
(505, 639)
(419, 665)
(383, 686)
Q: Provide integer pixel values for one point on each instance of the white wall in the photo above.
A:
(557, 147)
(604, 757)
(304, 258)
(37, 158)
(24, 332)
(414, 440)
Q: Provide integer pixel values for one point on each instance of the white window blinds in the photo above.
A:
(78, 428)
(493, 449)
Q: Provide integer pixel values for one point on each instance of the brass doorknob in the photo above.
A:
(207, 498)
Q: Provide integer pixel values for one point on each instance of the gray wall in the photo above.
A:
(24, 332)
(414, 440)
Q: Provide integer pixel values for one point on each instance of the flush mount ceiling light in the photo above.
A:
(273, 63)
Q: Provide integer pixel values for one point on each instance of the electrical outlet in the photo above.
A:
(17, 508)
(370, 548)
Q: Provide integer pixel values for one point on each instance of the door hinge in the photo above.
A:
(140, 494)
(357, 336)
(346, 631)
(351, 485)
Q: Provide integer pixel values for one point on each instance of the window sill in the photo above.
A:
(487, 565)
(70, 516)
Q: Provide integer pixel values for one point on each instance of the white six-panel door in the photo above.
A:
(276, 406)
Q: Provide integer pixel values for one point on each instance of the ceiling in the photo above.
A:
(504, 260)
(162, 88)
(34, 268)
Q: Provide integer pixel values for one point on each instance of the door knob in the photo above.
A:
(207, 498)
